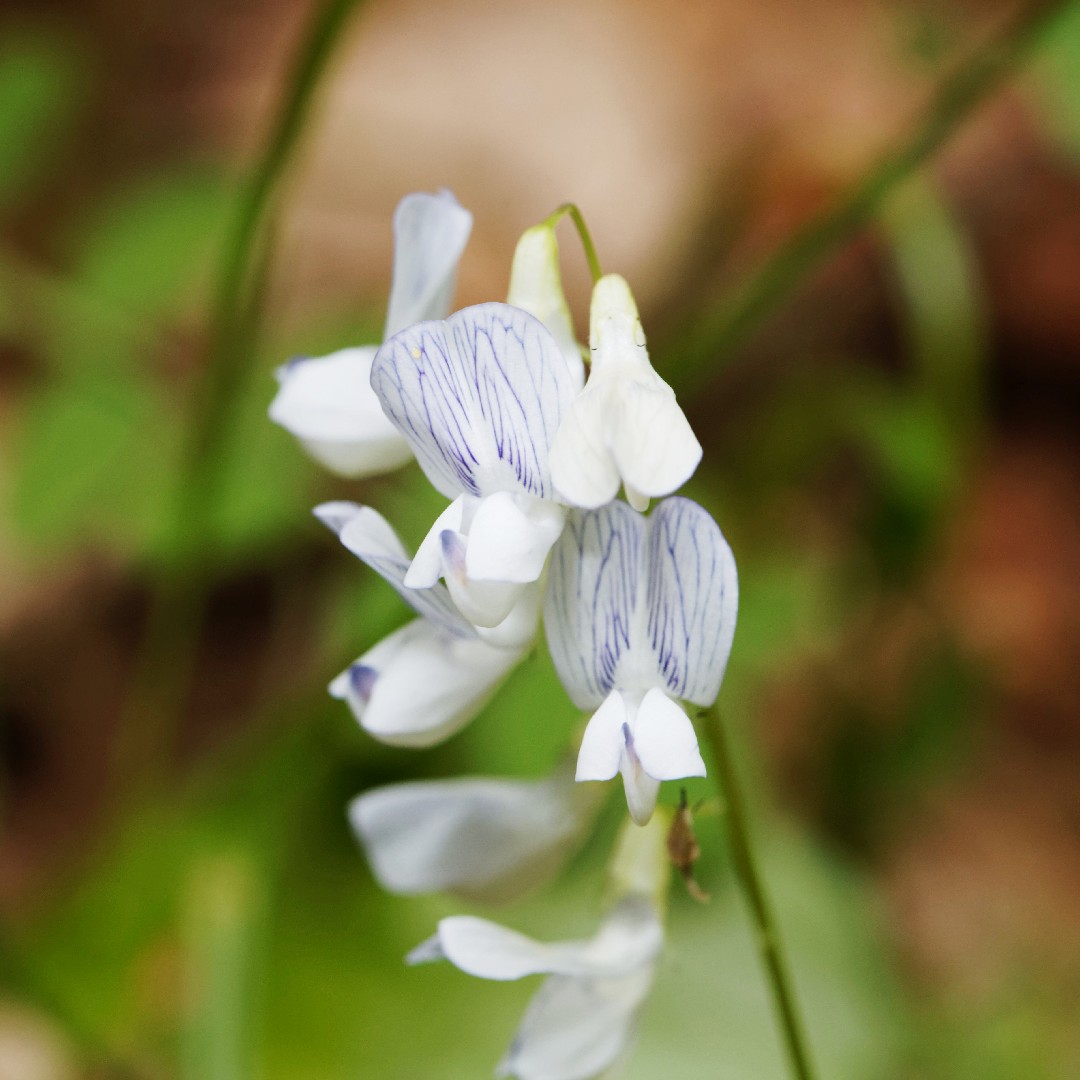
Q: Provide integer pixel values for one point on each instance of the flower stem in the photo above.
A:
(167, 655)
(571, 210)
(767, 933)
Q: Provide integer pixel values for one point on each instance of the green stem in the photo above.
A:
(234, 315)
(767, 932)
(717, 333)
(571, 210)
(168, 652)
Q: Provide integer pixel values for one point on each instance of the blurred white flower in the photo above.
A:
(479, 398)
(625, 427)
(640, 611)
(583, 1018)
(327, 402)
(427, 680)
(481, 838)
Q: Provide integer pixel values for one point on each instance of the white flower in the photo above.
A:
(625, 426)
(641, 611)
(427, 680)
(583, 1017)
(536, 287)
(327, 402)
(479, 398)
(483, 839)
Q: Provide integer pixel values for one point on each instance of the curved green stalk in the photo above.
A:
(571, 210)
(767, 934)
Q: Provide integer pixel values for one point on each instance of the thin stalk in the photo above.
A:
(231, 358)
(571, 210)
(767, 933)
(168, 650)
(718, 332)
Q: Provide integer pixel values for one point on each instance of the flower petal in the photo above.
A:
(536, 287)
(510, 537)
(370, 537)
(479, 397)
(582, 467)
(593, 590)
(418, 686)
(602, 744)
(574, 1029)
(328, 404)
(629, 938)
(483, 839)
(430, 233)
(692, 599)
(653, 446)
(664, 739)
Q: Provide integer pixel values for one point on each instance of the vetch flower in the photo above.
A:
(327, 402)
(427, 680)
(481, 838)
(536, 287)
(479, 398)
(582, 1019)
(626, 426)
(640, 611)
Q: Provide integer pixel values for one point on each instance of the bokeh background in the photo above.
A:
(866, 290)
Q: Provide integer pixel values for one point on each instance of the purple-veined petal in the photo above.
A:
(430, 233)
(692, 599)
(594, 581)
(370, 537)
(479, 398)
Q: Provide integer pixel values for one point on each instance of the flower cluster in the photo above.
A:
(638, 608)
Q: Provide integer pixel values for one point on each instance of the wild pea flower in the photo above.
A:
(479, 398)
(327, 402)
(536, 287)
(583, 1018)
(625, 427)
(640, 611)
(427, 680)
(481, 838)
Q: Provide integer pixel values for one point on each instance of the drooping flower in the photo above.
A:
(481, 838)
(640, 612)
(583, 1018)
(427, 680)
(479, 398)
(626, 426)
(327, 402)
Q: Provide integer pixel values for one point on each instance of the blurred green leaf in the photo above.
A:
(1057, 74)
(39, 88)
(94, 465)
(144, 248)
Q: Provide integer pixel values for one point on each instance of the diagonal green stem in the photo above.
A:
(716, 333)
(767, 933)
(168, 649)
(234, 315)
